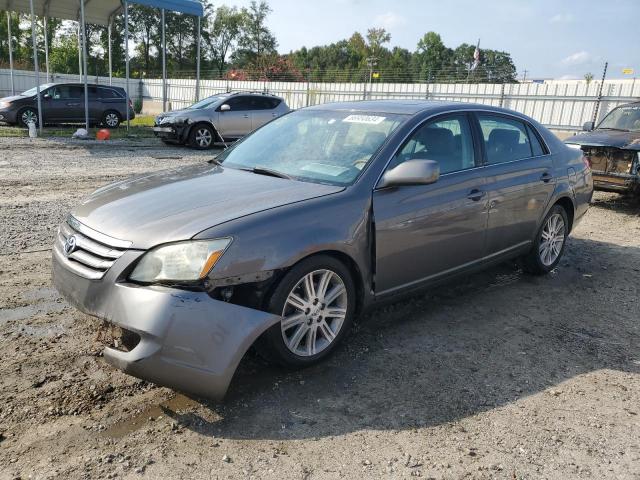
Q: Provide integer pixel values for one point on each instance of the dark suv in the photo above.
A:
(64, 103)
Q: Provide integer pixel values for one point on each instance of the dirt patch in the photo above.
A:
(500, 375)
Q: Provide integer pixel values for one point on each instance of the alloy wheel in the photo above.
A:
(203, 137)
(552, 239)
(111, 119)
(29, 116)
(314, 313)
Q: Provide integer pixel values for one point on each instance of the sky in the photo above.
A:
(548, 38)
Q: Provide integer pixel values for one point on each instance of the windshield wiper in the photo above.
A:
(612, 128)
(267, 171)
(215, 161)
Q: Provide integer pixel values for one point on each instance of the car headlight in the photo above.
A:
(4, 104)
(183, 261)
(574, 145)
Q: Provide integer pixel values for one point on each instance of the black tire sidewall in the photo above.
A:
(534, 257)
(193, 133)
(278, 351)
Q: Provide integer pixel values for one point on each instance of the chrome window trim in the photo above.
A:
(463, 110)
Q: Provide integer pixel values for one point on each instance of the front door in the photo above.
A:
(427, 231)
(519, 173)
(236, 122)
(61, 103)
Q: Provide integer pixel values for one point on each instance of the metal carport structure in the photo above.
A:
(98, 12)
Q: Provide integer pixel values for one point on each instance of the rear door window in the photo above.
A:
(536, 144)
(107, 93)
(505, 139)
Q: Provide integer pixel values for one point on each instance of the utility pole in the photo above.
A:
(371, 62)
(524, 75)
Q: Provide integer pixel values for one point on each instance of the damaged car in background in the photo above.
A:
(613, 149)
(285, 237)
(220, 118)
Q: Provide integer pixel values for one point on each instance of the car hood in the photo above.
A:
(607, 138)
(176, 113)
(177, 204)
(13, 98)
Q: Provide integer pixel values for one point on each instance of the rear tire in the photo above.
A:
(25, 115)
(202, 137)
(111, 119)
(317, 301)
(549, 244)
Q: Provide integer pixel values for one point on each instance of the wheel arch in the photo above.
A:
(567, 203)
(202, 122)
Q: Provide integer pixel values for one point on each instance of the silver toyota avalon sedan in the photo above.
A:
(285, 238)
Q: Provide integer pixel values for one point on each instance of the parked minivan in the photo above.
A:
(64, 103)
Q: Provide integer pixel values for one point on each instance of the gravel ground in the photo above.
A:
(500, 375)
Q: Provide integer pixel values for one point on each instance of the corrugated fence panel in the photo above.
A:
(561, 104)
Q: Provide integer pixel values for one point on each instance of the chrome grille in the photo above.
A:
(94, 252)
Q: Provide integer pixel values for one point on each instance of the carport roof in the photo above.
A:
(97, 12)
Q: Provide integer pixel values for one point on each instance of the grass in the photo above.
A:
(140, 127)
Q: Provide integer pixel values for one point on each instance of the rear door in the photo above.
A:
(236, 122)
(519, 174)
(265, 111)
(428, 231)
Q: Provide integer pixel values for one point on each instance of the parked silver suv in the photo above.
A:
(219, 118)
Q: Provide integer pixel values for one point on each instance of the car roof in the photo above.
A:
(407, 107)
(77, 84)
(256, 93)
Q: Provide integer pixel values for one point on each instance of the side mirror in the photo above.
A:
(411, 172)
(46, 96)
(225, 107)
(588, 126)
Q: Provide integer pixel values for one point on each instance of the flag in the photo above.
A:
(476, 57)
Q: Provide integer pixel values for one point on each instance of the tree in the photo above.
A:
(145, 25)
(432, 59)
(376, 37)
(257, 43)
(588, 77)
(224, 35)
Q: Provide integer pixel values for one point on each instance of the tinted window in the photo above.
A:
(446, 140)
(265, 103)
(505, 139)
(107, 93)
(64, 92)
(536, 144)
(239, 104)
(93, 92)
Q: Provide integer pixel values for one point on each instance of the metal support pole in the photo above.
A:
(595, 111)
(198, 63)
(10, 42)
(35, 64)
(109, 52)
(79, 55)
(84, 65)
(126, 57)
(164, 65)
(46, 47)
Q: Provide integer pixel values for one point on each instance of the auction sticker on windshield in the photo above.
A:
(370, 119)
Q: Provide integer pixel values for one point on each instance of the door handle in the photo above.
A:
(476, 195)
(274, 114)
(546, 177)
(72, 104)
(246, 116)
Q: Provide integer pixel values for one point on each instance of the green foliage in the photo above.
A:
(237, 43)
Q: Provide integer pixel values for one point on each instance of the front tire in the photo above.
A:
(317, 300)
(201, 137)
(549, 244)
(27, 115)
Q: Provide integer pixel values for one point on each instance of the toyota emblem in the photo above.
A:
(70, 245)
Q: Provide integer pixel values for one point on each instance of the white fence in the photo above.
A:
(558, 104)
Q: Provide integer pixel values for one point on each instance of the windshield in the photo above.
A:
(32, 91)
(207, 102)
(315, 146)
(623, 118)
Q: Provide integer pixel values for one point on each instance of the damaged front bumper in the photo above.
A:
(184, 339)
